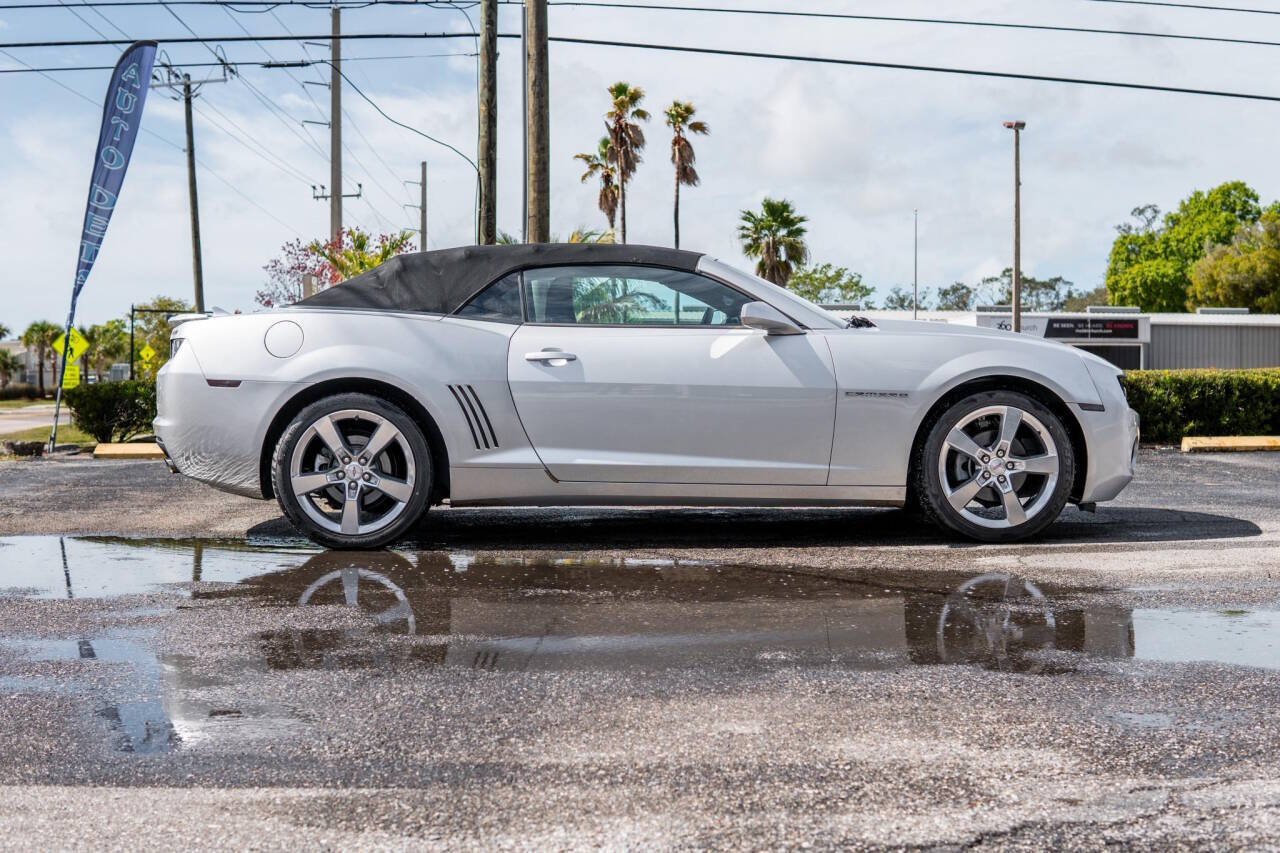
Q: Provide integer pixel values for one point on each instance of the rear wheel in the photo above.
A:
(352, 471)
(997, 466)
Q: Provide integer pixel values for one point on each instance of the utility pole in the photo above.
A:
(488, 142)
(335, 127)
(538, 124)
(915, 263)
(422, 206)
(176, 81)
(1016, 127)
(197, 270)
(524, 125)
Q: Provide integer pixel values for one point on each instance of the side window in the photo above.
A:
(629, 296)
(499, 302)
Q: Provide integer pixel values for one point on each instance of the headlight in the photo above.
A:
(175, 344)
(1124, 392)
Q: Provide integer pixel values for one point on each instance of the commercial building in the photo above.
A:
(1226, 337)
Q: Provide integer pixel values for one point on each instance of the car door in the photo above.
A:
(644, 374)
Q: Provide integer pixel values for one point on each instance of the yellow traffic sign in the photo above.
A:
(147, 353)
(71, 376)
(78, 345)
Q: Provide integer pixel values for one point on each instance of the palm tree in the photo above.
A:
(4, 331)
(40, 336)
(597, 163)
(626, 139)
(108, 343)
(611, 300)
(775, 236)
(679, 119)
(590, 235)
(9, 365)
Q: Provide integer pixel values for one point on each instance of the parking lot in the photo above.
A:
(177, 668)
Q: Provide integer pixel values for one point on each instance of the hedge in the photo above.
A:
(19, 391)
(111, 411)
(1176, 403)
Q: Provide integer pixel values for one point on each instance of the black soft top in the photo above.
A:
(442, 281)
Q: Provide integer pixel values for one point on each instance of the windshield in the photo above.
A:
(784, 300)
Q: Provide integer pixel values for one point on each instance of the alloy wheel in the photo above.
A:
(998, 466)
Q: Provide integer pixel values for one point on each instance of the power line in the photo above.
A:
(842, 16)
(266, 4)
(97, 105)
(970, 72)
(33, 69)
(198, 40)
(1200, 6)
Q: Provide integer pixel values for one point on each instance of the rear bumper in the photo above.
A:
(214, 434)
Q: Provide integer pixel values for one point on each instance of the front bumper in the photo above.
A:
(1113, 453)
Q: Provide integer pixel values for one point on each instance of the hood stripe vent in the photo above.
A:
(482, 434)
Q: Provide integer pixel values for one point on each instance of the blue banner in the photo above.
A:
(121, 118)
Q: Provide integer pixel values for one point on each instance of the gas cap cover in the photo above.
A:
(284, 339)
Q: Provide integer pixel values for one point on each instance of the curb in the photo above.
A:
(140, 450)
(1229, 443)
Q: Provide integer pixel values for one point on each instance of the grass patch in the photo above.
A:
(67, 434)
(22, 403)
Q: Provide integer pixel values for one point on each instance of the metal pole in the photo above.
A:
(422, 212)
(488, 141)
(335, 127)
(524, 125)
(196, 265)
(131, 319)
(1016, 127)
(915, 263)
(62, 374)
(538, 124)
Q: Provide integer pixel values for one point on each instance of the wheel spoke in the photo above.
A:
(1014, 514)
(329, 434)
(1009, 423)
(964, 493)
(1046, 464)
(351, 512)
(960, 440)
(382, 436)
(395, 489)
(305, 484)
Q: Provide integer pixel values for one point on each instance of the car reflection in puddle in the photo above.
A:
(554, 614)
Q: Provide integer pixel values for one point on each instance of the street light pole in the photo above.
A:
(915, 263)
(1016, 127)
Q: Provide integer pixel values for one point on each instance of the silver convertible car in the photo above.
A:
(591, 374)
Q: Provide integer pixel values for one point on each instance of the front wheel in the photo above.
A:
(352, 471)
(997, 466)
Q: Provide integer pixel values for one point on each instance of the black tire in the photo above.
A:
(931, 494)
(412, 455)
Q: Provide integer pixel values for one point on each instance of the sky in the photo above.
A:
(855, 149)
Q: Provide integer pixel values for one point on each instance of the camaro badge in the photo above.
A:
(890, 395)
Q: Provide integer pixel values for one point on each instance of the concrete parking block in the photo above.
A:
(139, 450)
(1221, 443)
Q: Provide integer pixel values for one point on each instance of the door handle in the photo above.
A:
(547, 356)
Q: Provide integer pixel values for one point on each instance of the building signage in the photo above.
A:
(1091, 327)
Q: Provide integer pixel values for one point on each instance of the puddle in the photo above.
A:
(479, 611)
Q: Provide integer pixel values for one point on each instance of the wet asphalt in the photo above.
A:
(178, 669)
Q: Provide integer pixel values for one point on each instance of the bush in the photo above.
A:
(19, 391)
(113, 410)
(1176, 403)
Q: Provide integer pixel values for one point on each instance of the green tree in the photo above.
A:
(108, 344)
(40, 336)
(827, 283)
(775, 238)
(900, 299)
(680, 120)
(1150, 264)
(1246, 272)
(956, 297)
(9, 365)
(4, 331)
(357, 251)
(598, 164)
(1038, 294)
(153, 330)
(1080, 301)
(626, 139)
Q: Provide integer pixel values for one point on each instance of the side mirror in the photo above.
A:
(766, 318)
